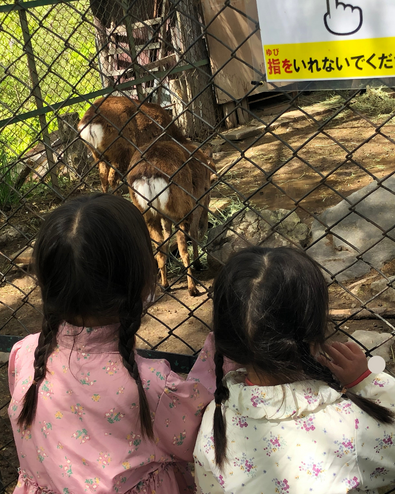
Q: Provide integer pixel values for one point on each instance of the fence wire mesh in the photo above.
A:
(303, 168)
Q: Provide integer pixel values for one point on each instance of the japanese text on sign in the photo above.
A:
(333, 59)
(327, 39)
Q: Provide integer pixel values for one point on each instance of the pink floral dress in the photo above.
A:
(298, 438)
(86, 436)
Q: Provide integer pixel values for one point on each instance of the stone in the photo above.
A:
(382, 284)
(370, 339)
(243, 133)
(341, 232)
(10, 234)
(4, 358)
(248, 228)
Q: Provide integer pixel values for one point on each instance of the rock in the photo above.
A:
(343, 233)
(247, 228)
(4, 358)
(371, 339)
(10, 233)
(243, 133)
(378, 286)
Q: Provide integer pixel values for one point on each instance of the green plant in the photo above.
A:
(65, 56)
(8, 195)
(217, 218)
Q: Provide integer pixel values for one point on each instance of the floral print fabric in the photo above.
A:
(86, 436)
(298, 438)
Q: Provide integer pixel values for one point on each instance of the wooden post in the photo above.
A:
(230, 115)
(36, 91)
(242, 115)
(162, 36)
(103, 54)
(193, 86)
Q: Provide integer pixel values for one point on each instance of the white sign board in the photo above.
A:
(327, 39)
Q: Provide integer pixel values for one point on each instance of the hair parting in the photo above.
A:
(270, 306)
(92, 257)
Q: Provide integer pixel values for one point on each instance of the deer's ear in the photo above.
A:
(208, 151)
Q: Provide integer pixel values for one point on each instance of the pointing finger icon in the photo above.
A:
(342, 19)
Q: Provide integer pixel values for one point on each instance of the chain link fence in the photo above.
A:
(307, 168)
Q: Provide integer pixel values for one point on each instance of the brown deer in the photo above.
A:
(169, 183)
(115, 126)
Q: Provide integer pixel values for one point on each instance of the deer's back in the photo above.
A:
(113, 116)
(152, 169)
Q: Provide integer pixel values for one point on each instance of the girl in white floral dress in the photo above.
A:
(284, 424)
(88, 414)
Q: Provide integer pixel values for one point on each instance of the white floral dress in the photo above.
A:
(298, 438)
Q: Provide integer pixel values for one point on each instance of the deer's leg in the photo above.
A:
(113, 178)
(194, 233)
(167, 231)
(183, 248)
(156, 234)
(103, 170)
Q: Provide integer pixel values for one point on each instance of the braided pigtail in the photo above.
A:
(127, 331)
(46, 344)
(221, 394)
(317, 371)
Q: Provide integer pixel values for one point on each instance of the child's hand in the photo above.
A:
(347, 361)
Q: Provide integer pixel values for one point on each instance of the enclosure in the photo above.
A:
(306, 168)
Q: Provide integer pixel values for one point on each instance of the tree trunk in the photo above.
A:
(193, 86)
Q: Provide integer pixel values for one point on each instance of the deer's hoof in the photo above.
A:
(198, 265)
(193, 291)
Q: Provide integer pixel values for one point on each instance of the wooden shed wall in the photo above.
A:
(232, 29)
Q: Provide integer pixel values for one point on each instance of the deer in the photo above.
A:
(169, 183)
(115, 126)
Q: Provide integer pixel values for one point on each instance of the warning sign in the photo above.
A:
(327, 39)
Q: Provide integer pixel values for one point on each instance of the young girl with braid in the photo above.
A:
(291, 421)
(88, 414)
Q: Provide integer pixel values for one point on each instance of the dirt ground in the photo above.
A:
(270, 171)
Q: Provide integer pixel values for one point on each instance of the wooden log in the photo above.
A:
(357, 313)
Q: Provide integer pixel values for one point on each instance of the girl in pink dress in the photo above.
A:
(88, 414)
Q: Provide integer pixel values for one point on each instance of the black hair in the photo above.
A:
(270, 305)
(92, 257)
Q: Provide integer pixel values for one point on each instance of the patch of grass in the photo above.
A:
(174, 264)
(8, 195)
(375, 102)
(222, 215)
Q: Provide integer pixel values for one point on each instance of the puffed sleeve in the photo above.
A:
(12, 365)
(178, 416)
(181, 404)
(375, 442)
